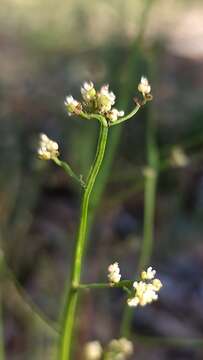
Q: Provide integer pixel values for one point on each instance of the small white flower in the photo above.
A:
(105, 99)
(133, 301)
(113, 114)
(149, 274)
(71, 104)
(157, 284)
(144, 86)
(178, 157)
(88, 91)
(145, 291)
(114, 275)
(48, 149)
(93, 350)
(119, 349)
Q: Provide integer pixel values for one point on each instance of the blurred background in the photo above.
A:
(48, 48)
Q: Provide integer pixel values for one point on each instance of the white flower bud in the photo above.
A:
(144, 86)
(93, 350)
(114, 275)
(48, 149)
(88, 91)
(72, 105)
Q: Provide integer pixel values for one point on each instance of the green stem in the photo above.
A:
(72, 297)
(150, 173)
(121, 284)
(69, 171)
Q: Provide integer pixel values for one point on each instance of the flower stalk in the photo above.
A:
(72, 296)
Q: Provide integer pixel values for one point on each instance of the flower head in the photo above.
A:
(178, 157)
(48, 149)
(93, 350)
(145, 291)
(105, 99)
(113, 114)
(144, 86)
(72, 105)
(88, 91)
(149, 274)
(119, 349)
(114, 275)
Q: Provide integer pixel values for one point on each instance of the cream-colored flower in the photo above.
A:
(119, 349)
(71, 105)
(178, 157)
(48, 149)
(93, 350)
(113, 114)
(157, 284)
(149, 274)
(105, 99)
(114, 275)
(88, 91)
(144, 86)
(145, 291)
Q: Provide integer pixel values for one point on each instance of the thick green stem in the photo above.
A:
(72, 298)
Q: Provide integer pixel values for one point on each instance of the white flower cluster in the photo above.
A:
(48, 149)
(98, 102)
(114, 275)
(145, 291)
(93, 350)
(178, 157)
(117, 349)
(144, 86)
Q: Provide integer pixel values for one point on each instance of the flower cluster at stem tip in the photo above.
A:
(144, 291)
(117, 349)
(48, 149)
(97, 102)
(101, 102)
(114, 275)
(94, 104)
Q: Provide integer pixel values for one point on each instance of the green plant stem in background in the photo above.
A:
(150, 186)
(68, 320)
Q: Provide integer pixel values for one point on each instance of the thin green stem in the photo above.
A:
(121, 284)
(151, 174)
(69, 171)
(72, 296)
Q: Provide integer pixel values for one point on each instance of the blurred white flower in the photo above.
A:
(48, 149)
(149, 274)
(119, 349)
(93, 350)
(114, 275)
(178, 157)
